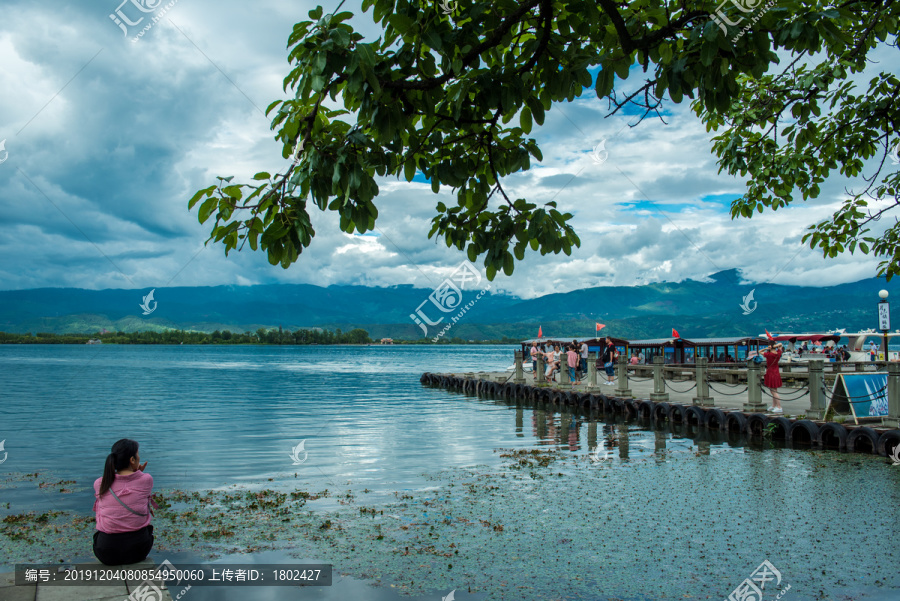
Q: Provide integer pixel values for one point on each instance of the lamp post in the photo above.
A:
(884, 320)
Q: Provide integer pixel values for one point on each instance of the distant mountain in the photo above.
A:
(696, 308)
(722, 295)
(239, 308)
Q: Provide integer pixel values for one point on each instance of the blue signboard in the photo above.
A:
(865, 393)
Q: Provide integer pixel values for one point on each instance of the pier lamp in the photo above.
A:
(884, 320)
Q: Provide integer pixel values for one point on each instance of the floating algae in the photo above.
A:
(549, 524)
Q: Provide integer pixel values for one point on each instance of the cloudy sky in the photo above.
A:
(108, 138)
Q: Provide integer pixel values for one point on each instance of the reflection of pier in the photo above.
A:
(615, 436)
(691, 396)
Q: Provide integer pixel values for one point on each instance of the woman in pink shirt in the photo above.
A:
(123, 507)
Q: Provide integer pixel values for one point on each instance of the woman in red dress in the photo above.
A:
(772, 379)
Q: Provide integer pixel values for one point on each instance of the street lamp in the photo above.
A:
(884, 320)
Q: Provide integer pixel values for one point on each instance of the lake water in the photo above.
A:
(211, 417)
(207, 416)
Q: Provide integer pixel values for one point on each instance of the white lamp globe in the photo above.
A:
(883, 294)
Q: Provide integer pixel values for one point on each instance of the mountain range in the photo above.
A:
(720, 305)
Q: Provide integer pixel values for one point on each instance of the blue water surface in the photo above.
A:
(217, 416)
(210, 416)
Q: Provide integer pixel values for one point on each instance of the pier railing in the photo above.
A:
(816, 373)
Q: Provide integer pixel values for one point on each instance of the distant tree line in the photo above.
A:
(459, 340)
(261, 336)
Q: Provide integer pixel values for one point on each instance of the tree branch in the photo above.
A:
(490, 42)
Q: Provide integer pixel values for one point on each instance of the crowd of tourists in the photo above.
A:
(838, 353)
(571, 360)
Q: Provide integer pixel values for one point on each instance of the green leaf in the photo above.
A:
(409, 169)
(605, 82)
(341, 17)
(525, 119)
(206, 209)
(537, 109)
(509, 264)
(198, 195)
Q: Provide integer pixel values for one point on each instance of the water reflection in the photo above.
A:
(577, 429)
(622, 440)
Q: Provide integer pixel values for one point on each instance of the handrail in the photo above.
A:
(737, 372)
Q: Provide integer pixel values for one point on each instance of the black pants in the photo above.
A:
(123, 548)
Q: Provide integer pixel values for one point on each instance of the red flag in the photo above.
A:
(600, 326)
(675, 333)
(769, 336)
(540, 332)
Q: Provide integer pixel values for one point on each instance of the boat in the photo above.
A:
(856, 344)
(94, 341)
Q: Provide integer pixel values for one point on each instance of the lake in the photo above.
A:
(662, 515)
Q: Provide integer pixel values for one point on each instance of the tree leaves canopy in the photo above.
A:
(453, 90)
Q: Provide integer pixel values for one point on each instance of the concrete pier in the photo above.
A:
(738, 409)
(119, 590)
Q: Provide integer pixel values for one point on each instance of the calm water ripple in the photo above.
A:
(212, 417)
(208, 416)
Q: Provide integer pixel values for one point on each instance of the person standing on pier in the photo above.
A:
(772, 379)
(609, 357)
(557, 365)
(572, 360)
(873, 350)
(534, 353)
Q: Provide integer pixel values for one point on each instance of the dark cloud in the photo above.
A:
(118, 135)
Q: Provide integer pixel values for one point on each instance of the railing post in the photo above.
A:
(702, 399)
(754, 402)
(816, 389)
(893, 393)
(520, 376)
(539, 373)
(564, 383)
(860, 366)
(592, 372)
(622, 389)
(659, 387)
